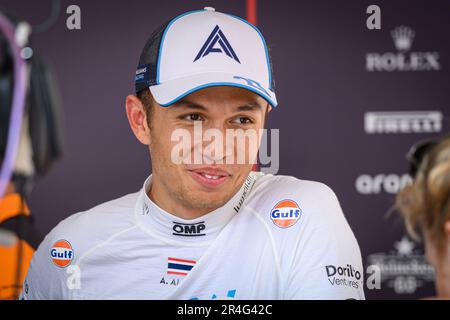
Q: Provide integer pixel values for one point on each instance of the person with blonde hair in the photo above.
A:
(425, 206)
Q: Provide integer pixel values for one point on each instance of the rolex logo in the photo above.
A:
(403, 37)
(403, 59)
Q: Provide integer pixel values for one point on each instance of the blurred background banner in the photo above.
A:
(351, 103)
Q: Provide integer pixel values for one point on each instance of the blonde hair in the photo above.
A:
(425, 204)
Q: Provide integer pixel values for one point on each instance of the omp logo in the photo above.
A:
(403, 37)
(388, 183)
(403, 122)
(217, 38)
(189, 229)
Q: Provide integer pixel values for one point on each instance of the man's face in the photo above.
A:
(212, 182)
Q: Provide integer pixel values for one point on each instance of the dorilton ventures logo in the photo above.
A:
(403, 269)
(403, 60)
(403, 122)
(343, 276)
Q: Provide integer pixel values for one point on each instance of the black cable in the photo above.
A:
(51, 20)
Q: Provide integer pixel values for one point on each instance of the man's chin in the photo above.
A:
(202, 198)
(201, 202)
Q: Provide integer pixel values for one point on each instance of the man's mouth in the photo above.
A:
(209, 177)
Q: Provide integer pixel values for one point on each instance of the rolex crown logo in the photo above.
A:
(403, 37)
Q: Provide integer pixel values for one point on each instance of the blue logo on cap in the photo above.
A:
(217, 37)
(253, 83)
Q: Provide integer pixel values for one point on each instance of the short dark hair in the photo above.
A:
(147, 101)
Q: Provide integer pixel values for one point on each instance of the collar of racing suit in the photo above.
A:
(166, 226)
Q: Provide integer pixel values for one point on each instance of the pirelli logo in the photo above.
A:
(403, 122)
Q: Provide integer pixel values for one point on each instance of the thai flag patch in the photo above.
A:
(179, 267)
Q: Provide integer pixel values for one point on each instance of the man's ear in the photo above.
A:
(137, 119)
(266, 115)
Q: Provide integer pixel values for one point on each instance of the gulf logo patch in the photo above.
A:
(285, 213)
(61, 253)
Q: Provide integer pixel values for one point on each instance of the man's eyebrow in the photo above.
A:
(249, 107)
(188, 104)
(184, 103)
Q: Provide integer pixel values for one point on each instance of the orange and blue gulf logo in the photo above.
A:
(61, 253)
(285, 213)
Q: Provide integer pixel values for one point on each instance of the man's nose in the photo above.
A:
(214, 146)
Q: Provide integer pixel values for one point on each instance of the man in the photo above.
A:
(211, 229)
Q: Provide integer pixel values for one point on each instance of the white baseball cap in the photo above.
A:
(204, 48)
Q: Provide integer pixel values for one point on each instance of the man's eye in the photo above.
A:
(243, 120)
(193, 117)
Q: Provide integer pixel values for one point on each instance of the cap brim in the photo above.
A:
(171, 91)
